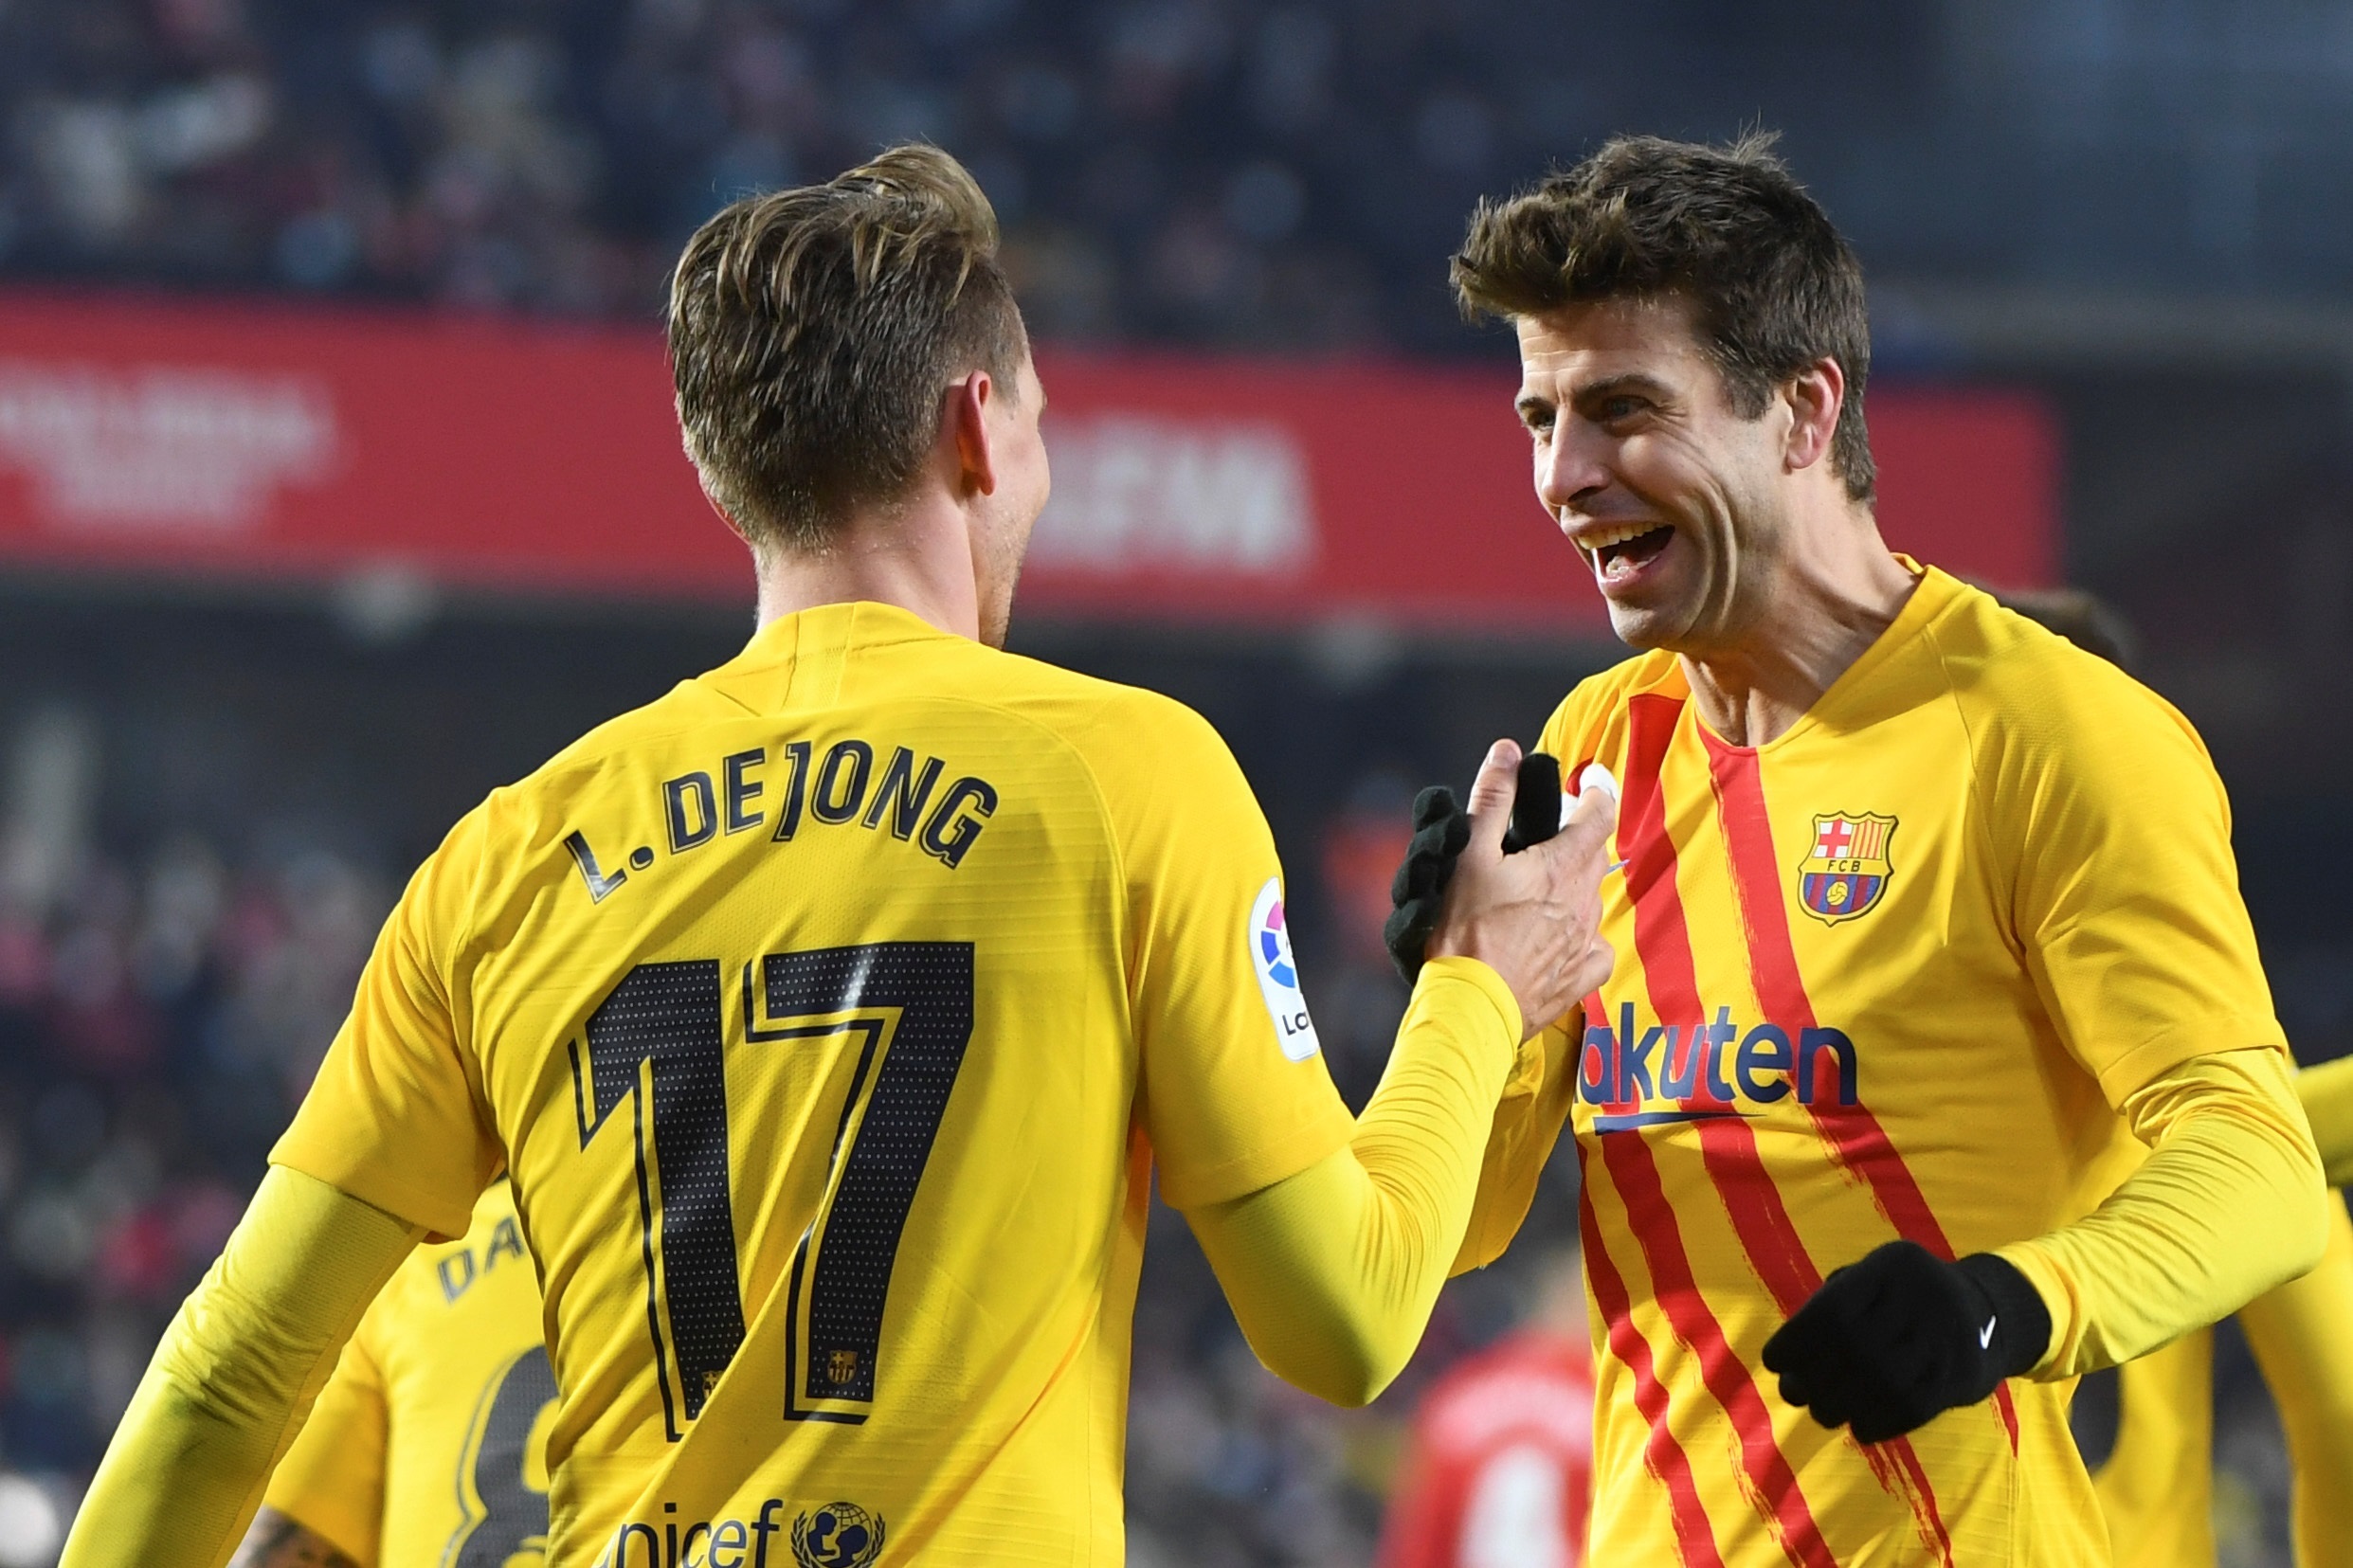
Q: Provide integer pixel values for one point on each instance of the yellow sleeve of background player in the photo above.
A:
(1333, 1272)
(2299, 1334)
(2156, 1491)
(2228, 1204)
(235, 1375)
(330, 1481)
(2328, 1094)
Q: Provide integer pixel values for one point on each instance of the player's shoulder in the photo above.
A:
(1140, 749)
(1084, 711)
(2019, 683)
(516, 820)
(1582, 722)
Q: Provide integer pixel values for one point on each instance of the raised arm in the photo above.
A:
(1333, 1272)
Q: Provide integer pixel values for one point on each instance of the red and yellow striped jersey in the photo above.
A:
(1887, 975)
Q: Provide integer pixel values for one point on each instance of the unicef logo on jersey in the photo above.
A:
(839, 1534)
(1279, 974)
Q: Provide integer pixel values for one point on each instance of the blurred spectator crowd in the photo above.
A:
(160, 1009)
(1288, 174)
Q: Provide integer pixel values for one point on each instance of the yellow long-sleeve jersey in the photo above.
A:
(829, 1014)
(1922, 967)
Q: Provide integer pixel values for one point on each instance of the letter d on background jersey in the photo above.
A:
(1278, 973)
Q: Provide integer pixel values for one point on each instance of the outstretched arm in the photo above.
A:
(234, 1378)
(1333, 1272)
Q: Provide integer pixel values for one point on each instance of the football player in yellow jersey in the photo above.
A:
(1928, 929)
(428, 1447)
(832, 1014)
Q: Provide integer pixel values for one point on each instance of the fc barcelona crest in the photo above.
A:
(1846, 868)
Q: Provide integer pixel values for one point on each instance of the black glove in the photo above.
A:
(1441, 830)
(1891, 1342)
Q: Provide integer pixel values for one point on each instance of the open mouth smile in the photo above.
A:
(1618, 554)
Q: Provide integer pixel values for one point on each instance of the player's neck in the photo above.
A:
(1822, 612)
(917, 557)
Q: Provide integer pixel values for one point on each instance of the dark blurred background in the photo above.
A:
(2142, 213)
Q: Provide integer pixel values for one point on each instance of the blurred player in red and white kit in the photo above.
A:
(1500, 1471)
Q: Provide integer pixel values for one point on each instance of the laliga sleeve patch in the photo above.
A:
(1279, 974)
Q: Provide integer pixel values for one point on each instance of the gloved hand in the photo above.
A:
(1891, 1342)
(1441, 830)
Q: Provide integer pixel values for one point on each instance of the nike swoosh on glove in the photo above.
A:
(1442, 830)
(1888, 1344)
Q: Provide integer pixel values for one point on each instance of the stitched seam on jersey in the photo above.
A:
(1980, 792)
(2183, 1043)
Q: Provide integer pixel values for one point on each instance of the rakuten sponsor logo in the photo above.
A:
(1141, 490)
(1648, 1073)
(160, 449)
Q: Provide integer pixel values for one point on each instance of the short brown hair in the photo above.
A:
(813, 330)
(1727, 229)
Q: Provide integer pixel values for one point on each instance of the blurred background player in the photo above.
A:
(1694, 348)
(1498, 1470)
(944, 952)
(428, 1447)
(2155, 1483)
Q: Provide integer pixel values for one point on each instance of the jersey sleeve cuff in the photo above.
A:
(2144, 1064)
(2058, 1299)
(374, 1187)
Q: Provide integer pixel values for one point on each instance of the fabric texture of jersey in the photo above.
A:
(428, 1447)
(1499, 1472)
(830, 1014)
(1888, 975)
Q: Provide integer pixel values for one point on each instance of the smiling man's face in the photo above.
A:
(1672, 498)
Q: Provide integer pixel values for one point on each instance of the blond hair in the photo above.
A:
(813, 330)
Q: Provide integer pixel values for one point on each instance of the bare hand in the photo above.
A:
(1533, 917)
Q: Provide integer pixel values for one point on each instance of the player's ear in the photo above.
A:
(1815, 395)
(964, 422)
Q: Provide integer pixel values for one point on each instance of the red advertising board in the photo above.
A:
(167, 437)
